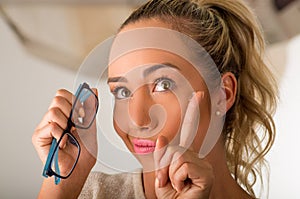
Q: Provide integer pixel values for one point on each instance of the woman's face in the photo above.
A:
(152, 89)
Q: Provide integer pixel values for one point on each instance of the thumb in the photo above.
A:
(95, 90)
(161, 168)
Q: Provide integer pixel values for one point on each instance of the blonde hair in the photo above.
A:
(229, 32)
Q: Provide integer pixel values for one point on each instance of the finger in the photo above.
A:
(179, 177)
(91, 106)
(85, 108)
(162, 192)
(62, 103)
(62, 93)
(161, 167)
(95, 90)
(191, 120)
(65, 94)
(48, 132)
(42, 138)
(179, 160)
(189, 168)
(201, 177)
(55, 115)
(63, 141)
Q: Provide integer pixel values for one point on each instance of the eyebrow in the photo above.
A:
(146, 72)
(116, 79)
(153, 68)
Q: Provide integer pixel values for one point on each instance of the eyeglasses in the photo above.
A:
(64, 153)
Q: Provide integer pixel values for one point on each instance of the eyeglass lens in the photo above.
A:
(83, 113)
(84, 109)
(65, 156)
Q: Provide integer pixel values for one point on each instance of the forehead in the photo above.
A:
(145, 57)
(137, 37)
(150, 42)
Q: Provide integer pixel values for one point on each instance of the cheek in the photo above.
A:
(123, 135)
(118, 130)
(174, 114)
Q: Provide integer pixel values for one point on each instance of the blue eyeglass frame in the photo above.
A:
(47, 171)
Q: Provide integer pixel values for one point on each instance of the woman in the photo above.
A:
(227, 30)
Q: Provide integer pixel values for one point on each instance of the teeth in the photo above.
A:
(140, 145)
(144, 143)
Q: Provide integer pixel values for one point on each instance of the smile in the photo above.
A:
(142, 146)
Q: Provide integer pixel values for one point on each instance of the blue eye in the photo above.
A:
(121, 93)
(164, 84)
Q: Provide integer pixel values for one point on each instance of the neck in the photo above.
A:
(224, 185)
(149, 188)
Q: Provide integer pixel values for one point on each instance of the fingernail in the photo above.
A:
(158, 178)
(174, 187)
(158, 183)
(201, 93)
(199, 96)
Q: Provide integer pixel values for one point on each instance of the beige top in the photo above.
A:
(125, 185)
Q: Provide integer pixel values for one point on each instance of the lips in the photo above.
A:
(143, 146)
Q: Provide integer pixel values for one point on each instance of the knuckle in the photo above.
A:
(53, 112)
(57, 100)
(172, 149)
(52, 126)
(60, 91)
(185, 166)
(180, 156)
(176, 178)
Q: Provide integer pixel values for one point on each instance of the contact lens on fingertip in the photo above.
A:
(81, 112)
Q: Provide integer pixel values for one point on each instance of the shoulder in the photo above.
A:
(124, 185)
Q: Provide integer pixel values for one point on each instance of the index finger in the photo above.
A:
(61, 93)
(191, 120)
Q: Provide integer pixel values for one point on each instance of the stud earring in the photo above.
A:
(218, 113)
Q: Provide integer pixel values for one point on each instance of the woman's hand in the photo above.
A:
(52, 126)
(180, 172)
(187, 176)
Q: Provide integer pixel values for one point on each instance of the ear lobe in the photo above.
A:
(230, 88)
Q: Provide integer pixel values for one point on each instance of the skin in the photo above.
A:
(186, 175)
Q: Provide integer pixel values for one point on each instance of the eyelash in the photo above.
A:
(164, 78)
(117, 89)
(156, 82)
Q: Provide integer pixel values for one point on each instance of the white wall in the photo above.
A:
(28, 85)
(284, 157)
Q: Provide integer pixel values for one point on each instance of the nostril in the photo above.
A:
(144, 128)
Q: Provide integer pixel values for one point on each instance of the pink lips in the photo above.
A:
(142, 146)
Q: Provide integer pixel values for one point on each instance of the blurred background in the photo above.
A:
(42, 44)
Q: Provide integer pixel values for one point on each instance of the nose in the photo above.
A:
(139, 105)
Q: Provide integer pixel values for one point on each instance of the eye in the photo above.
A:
(163, 84)
(121, 93)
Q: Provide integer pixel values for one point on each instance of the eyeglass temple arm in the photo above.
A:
(56, 179)
(47, 165)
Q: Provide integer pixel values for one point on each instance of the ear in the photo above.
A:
(230, 88)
